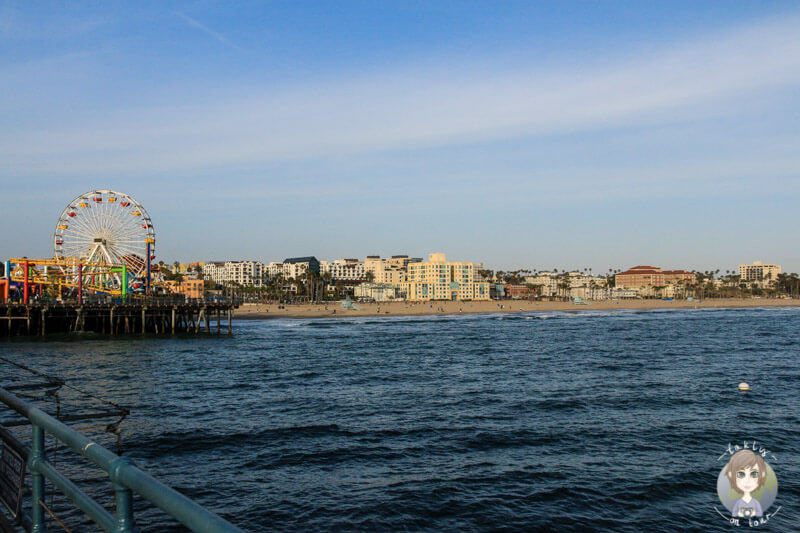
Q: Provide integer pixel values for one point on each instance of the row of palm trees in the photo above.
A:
(308, 287)
(707, 283)
(563, 284)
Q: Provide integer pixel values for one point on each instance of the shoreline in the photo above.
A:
(335, 310)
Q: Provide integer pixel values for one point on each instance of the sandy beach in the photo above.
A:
(335, 310)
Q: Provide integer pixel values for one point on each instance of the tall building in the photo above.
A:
(758, 272)
(392, 271)
(438, 279)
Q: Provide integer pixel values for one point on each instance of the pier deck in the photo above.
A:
(41, 319)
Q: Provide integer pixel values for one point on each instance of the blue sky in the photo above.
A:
(522, 134)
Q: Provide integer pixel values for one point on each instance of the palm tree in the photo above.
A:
(535, 289)
(592, 287)
(325, 279)
(564, 283)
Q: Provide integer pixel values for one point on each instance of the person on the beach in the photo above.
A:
(746, 472)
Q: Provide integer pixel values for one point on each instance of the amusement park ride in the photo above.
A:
(103, 243)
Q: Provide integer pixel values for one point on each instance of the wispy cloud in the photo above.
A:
(713, 77)
(50, 24)
(208, 31)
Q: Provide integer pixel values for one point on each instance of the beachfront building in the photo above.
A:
(545, 282)
(273, 269)
(345, 270)
(588, 287)
(377, 292)
(192, 270)
(243, 273)
(192, 289)
(759, 274)
(299, 265)
(392, 271)
(655, 282)
(650, 276)
(519, 292)
(438, 279)
(621, 293)
(187, 269)
(294, 267)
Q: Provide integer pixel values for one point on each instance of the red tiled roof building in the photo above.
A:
(650, 276)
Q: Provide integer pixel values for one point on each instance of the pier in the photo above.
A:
(151, 317)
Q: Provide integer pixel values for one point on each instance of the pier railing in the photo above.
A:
(125, 478)
(137, 299)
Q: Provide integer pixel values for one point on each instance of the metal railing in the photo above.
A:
(125, 480)
(103, 299)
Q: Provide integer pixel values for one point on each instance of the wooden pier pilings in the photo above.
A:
(115, 319)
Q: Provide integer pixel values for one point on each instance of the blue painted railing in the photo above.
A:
(125, 478)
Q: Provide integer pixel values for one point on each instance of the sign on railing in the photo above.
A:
(12, 474)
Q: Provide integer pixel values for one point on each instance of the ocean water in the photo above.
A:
(596, 421)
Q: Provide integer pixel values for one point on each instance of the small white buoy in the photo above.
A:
(744, 386)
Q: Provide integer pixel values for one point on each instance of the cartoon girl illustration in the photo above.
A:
(746, 472)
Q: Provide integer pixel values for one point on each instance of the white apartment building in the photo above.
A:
(587, 287)
(344, 269)
(621, 293)
(759, 273)
(548, 282)
(286, 270)
(378, 292)
(244, 273)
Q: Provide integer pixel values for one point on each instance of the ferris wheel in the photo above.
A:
(106, 227)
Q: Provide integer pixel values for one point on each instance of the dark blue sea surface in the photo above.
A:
(595, 421)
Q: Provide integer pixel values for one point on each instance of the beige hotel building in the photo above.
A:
(758, 272)
(438, 279)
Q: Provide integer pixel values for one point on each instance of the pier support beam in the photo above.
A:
(25, 284)
(40, 319)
